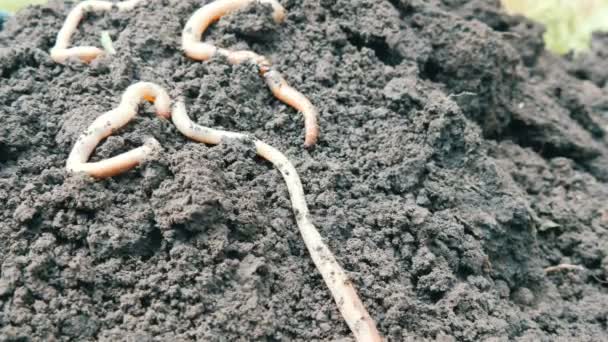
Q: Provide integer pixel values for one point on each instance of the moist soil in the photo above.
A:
(457, 160)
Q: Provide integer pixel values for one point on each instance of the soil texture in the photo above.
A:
(457, 160)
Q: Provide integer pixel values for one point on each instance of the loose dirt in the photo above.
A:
(456, 161)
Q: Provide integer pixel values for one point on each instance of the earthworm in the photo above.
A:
(195, 49)
(110, 121)
(297, 100)
(60, 52)
(560, 267)
(341, 287)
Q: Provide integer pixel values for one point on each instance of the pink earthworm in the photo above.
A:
(109, 122)
(341, 287)
(61, 51)
(284, 92)
(195, 49)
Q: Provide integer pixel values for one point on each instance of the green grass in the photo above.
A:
(14, 5)
(569, 23)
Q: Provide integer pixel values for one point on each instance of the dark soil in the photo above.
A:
(457, 160)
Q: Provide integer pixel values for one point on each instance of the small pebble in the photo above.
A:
(524, 296)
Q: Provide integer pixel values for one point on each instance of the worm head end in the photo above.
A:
(278, 11)
(309, 144)
(279, 15)
(310, 139)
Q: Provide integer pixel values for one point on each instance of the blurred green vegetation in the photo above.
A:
(569, 23)
(13, 5)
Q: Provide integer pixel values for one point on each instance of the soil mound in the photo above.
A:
(456, 161)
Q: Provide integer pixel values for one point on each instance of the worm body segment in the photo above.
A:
(352, 309)
(61, 51)
(196, 49)
(110, 121)
(297, 100)
(210, 13)
(562, 267)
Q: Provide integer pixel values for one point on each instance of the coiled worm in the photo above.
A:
(195, 49)
(352, 309)
(61, 51)
(110, 121)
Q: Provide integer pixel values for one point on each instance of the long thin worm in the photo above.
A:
(61, 51)
(195, 49)
(567, 267)
(110, 121)
(352, 309)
